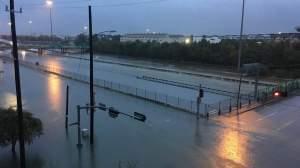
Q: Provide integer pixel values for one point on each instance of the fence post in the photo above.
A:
(198, 108)
(145, 93)
(111, 85)
(249, 99)
(67, 107)
(240, 103)
(155, 96)
(78, 127)
(119, 86)
(206, 111)
(230, 108)
(219, 112)
(178, 101)
(286, 88)
(136, 91)
(191, 106)
(166, 99)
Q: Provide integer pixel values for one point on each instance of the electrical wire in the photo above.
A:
(94, 5)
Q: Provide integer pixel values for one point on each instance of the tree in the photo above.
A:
(9, 127)
(298, 29)
(81, 40)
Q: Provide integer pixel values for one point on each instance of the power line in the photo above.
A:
(96, 5)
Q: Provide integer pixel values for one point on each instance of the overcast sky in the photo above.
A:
(196, 17)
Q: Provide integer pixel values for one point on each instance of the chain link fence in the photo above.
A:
(221, 107)
(164, 99)
(247, 101)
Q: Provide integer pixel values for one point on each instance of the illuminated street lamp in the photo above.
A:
(49, 4)
(9, 23)
(30, 27)
(187, 41)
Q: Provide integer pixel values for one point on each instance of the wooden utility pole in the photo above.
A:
(17, 82)
(92, 97)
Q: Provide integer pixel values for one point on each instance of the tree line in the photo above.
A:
(274, 54)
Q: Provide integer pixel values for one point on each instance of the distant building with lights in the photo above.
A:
(156, 37)
(210, 39)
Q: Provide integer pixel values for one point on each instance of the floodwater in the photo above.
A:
(129, 76)
(168, 139)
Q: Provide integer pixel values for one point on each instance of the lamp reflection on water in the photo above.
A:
(54, 66)
(233, 146)
(23, 54)
(54, 92)
(8, 100)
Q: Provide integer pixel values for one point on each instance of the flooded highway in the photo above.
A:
(168, 139)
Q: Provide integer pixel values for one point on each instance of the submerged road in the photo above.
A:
(131, 76)
(265, 137)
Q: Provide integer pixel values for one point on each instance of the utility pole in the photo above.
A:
(12, 12)
(51, 25)
(241, 37)
(92, 102)
(240, 55)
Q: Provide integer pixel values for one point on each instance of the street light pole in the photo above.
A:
(49, 4)
(92, 97)
(30, 27)
(240, 55)
(241, 37)
(18, 84)
(51, 24)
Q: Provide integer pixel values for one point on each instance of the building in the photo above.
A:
(155, 37)
(210, 39)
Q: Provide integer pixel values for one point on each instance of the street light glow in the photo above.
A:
(23, 53)
(9, 23)
(187, 41)
(85, 27)
(49, 3)
(30, 22)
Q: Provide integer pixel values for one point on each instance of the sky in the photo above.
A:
(188, 17)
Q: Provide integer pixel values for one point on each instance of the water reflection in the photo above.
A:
(1, 66)
(23, 54)
(54, 92)
(54, 65)
(8, 100)
(233, 148)
(11, 161)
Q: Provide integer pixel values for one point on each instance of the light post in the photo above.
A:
(49, 4)
(240, 55)
(30, 27)
(241, 37)
(92, 96)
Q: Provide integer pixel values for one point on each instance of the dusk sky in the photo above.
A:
(195, 17)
